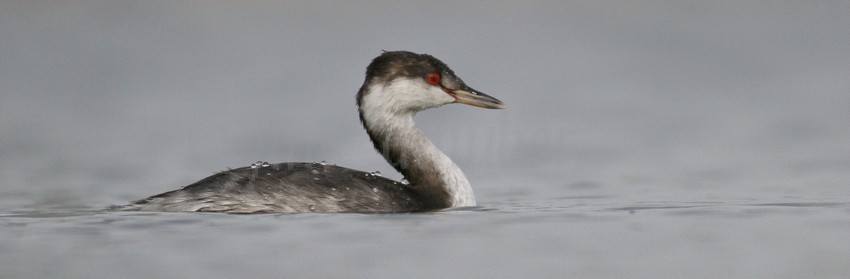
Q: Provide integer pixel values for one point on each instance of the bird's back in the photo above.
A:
(287, 188)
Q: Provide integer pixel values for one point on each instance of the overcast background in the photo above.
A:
(103, 102)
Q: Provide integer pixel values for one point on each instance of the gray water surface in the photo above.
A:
(642, 140)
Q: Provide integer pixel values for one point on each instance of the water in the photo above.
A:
(648, 140)
(587, 237)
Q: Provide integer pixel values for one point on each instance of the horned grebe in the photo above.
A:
(398, 84)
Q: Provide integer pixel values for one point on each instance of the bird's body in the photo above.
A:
(269, 188)
(398, 84)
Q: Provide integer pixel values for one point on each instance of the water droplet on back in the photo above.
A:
(314, 172)
(323, 163)
(260, 164)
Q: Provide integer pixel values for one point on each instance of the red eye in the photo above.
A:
(432, 78)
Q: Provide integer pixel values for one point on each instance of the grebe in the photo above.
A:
(398, 84)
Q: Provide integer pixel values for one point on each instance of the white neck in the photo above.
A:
(387, 113)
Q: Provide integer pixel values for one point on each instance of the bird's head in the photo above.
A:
(403, 81)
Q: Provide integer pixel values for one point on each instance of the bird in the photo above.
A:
(398, 84)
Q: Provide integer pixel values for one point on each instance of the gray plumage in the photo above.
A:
(264, 189)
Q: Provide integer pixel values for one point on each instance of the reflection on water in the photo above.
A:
(597, 236)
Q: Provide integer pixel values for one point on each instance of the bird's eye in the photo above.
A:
(432, 78)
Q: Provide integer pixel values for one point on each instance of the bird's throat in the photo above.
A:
(431, 173)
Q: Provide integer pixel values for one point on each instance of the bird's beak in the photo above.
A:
(472, 97)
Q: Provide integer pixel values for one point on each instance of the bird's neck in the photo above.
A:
(432, 174)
